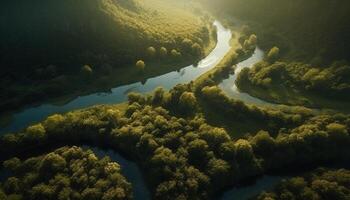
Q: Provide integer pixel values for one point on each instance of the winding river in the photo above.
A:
(32, 115)
(229, 85)
(119, 94)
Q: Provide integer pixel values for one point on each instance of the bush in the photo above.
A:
(188, 102)
(273, 54)
(86, 70)
(65, 173)
(163, 52)
(197, 50)
(175, 54)
(151, 52)
(140, 65)
(321, 184)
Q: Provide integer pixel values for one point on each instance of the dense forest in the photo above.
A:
(288, 115)
(66, 173)
(57, 48)
(321, 184)
(314, 30)
(296, 83)
(185, 157)
(309, 41)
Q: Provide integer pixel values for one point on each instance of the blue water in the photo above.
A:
(129, 170)
(33, 115)
(229, 86)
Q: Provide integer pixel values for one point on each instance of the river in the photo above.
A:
(118, 94)
(229, 85)
(36, 114)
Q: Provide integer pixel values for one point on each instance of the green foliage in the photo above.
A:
(66, 173)
(140, 65)
(188, 102)
(163, 52)
(273, 54)
(322, 184)
(109, 35)
(327, 81)
(151, 52)
(300, 28)
(197, 50)
(271, 119)
(250, 43)
(183, 155)
(86, 70)
(175, 54)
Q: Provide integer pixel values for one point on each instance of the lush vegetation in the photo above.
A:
(184, 156)
(193, 141)
(66, 173)
(322, 184)
(46, 46)
(309, 38)
(310, 31)
(295, 82)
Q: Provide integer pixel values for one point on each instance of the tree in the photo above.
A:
(151, 51)
(219, 170)
(175, 54)
(263, 144)
(197, 150)
(186, 45)
(196, 49)
(335, 128)
(250, 43)
(273, 54)
(188, 102)
(163, 52)
(253, 39)
(52, 162)
(158, 96)
(87, 71)
(228, 150)
(140, 65)
(35, 133)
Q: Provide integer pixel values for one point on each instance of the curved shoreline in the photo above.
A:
(119, 94)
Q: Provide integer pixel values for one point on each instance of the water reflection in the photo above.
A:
(119, 94)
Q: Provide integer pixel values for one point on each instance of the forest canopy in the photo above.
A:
(66, 173)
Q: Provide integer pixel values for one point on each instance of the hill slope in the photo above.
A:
(53, 48)
(78, 32)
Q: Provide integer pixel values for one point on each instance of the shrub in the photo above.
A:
(273, 54)
(86, 70)
(163, 52)
(140, 65)
(151, 51)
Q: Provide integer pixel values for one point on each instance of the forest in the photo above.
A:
(161, 99)
(321, 184)
(78, 47)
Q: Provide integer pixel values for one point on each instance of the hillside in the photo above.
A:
(54, 48)
(78, 32)
(309, 31)
(311, 64)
